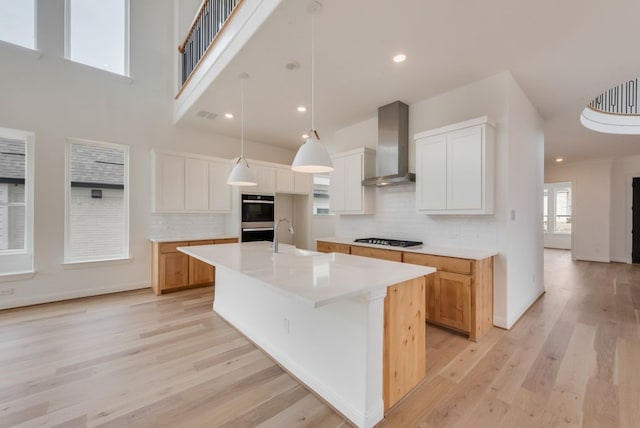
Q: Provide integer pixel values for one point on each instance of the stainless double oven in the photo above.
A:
(257, 217)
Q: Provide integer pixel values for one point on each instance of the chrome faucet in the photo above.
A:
(275, 233)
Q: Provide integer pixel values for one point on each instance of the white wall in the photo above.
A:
(591, 187)
(523, 232)
(58, 99)
(519, 147)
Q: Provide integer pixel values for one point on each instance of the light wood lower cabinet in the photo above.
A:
(452, 300)
(332, 247)
(200, 272)
(460, 294)
(376, 253)
(173, 270)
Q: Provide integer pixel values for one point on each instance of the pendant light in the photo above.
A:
(312, 156)
(241, 174)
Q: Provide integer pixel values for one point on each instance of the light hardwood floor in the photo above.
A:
(134, 359)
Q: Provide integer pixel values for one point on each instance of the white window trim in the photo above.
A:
(67, 208)
(127, 41)
(23, 258)
(551, 206)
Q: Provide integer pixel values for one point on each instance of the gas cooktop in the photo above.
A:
(390, 242)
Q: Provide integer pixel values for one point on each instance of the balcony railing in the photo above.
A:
(619, 100)
(209, 22)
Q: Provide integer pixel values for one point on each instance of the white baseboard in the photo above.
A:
(591, 258)
(499, 322)
(66, 295)
(524, 309)
(620, 260)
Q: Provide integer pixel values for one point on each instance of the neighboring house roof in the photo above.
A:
(96, 165)
(90, 165)
(11, 160)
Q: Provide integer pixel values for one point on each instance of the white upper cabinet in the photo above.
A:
(266, 176)
(219, 190)
(288, 181)
(302, 183)
(190, 184)
(346, 193)
(455, 168)
(168, 183)
(285, 181)
(196, 185)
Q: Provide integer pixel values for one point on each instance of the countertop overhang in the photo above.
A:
(316, 278)
(462, 253)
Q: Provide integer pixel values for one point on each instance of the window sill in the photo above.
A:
(81, 264)
(17, 276)
(558, 233)
(109, 74)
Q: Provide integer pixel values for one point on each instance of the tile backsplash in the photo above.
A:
(191, 226)
(396, 217)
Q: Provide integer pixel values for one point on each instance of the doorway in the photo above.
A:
(635, 222)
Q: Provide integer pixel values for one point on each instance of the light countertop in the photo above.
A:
(189, 238)
(462, 253)
(316, 278)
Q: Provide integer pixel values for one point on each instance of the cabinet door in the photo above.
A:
(174, 270)
(353, 182)
(431, 173)
(200, 272)
(284, 181)
(266, 179)
(465, 174)
(219, 190)
(336, 186)
(303, 183)
(168, 175)
(452, 293)
(196, 185)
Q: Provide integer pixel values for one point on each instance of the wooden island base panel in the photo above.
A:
(458, 296)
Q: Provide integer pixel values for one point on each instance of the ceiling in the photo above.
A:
(563, 54)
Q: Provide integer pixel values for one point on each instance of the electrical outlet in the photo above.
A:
(7, 291)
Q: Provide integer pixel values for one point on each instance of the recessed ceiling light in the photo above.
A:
(302, 109)
(228, 115)
(399, 58)
(305, 136)
(559, 160)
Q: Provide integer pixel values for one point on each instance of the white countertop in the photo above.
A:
(461, 253)
(316, 278)
(189, 238)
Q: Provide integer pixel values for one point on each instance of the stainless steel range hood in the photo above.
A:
(392, 155)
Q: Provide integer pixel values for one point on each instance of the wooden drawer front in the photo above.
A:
(394, 256)
(227, 241)
(170, 247)
(202, 242)
(332, 247)
(447, 264)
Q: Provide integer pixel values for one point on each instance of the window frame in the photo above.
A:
(67, 203)
(552, 214)
(127, 38)
(23, 258)
(313, 194)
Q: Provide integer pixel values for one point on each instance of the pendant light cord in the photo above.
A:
(242, 118)
(313, 68)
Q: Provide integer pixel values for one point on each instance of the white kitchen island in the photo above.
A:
(326, 318)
